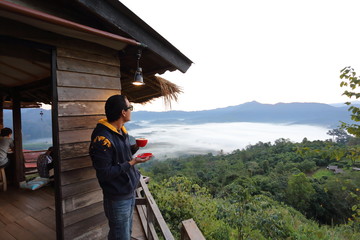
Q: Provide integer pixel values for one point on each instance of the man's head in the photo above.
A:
(6, 132)
(117, 106)
(50, 149)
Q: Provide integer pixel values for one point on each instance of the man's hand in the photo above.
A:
(139, 160)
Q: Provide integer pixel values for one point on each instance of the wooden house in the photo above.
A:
(74, 54)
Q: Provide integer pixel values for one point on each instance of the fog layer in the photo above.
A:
(172, 140)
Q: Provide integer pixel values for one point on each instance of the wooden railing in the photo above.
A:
(30, 159)
(150, 214)
(190, 231)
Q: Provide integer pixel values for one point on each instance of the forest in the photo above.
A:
(280, 190)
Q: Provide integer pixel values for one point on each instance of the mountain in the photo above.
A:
(289, 113)
(35, 125)
(35, 122)
(353, 103)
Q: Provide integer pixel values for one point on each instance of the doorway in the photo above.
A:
(26, 82)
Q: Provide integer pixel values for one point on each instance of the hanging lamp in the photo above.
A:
(138, 78)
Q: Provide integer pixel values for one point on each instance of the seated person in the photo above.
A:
(45, 163)
(6, 144)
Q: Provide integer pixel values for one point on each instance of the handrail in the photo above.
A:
(190, 231)
(146, 204)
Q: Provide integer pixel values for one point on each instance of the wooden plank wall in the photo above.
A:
(85, 79)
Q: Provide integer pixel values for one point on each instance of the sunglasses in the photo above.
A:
(131, 108)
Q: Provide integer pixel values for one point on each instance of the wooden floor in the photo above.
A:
(30, 215)
(26, 214)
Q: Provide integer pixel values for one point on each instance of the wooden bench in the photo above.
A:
(30, 159)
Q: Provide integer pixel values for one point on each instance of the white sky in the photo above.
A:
(244, 50)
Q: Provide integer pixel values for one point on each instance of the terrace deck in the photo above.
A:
(30, 215)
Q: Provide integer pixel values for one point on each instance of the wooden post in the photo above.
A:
(190, 231)
(56, 145)
(19, 159)
(1, 112)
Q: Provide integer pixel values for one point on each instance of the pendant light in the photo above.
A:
(138, 78)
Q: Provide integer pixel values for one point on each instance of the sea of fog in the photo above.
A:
(173, 140)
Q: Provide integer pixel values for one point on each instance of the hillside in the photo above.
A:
(278, 190)
(34, 125)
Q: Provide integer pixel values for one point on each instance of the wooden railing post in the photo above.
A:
(190, 231)
(153, 214)
(150, 222)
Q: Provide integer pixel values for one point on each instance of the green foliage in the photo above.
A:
(242, 195)
(299, 192)
(341, 191)
(180, 199)
(354, 221)
(352, 82)
(321, 173)
(340, 135)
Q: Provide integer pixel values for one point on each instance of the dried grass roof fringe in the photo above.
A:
(169, 91)
(154, 87)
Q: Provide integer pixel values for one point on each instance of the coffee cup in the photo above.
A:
(141, 142)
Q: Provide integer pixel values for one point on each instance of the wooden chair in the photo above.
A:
(3, 183)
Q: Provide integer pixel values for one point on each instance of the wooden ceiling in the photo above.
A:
(25, 66)
(25, 69)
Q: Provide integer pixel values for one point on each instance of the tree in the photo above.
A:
(340, 135)
(352, 81)
(180, 199)
(354, 154)
(299, 192)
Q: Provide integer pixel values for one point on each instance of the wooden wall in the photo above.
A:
(86, 77)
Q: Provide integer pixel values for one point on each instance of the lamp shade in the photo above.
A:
(138, 78)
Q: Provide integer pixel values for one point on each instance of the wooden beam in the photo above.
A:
(19, 51)
(19, 161)
(1, 112)
(56, 144)
(34, 85)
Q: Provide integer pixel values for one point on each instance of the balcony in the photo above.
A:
(26, 215)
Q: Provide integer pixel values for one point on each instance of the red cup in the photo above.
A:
(141, 142)
(145, 155)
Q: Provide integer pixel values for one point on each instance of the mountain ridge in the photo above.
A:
(290, 113)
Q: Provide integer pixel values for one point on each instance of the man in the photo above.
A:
(45, 163)
(6, 144)
(112, 159)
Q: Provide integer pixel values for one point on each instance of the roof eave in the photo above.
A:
(122, 18)
(62, 26)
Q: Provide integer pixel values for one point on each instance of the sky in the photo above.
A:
(256, 50)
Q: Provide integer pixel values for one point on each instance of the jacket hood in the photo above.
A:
(105, 122)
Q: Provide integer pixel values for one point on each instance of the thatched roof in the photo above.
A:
(154, 87)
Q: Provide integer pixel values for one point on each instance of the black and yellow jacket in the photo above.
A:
(110, 153)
